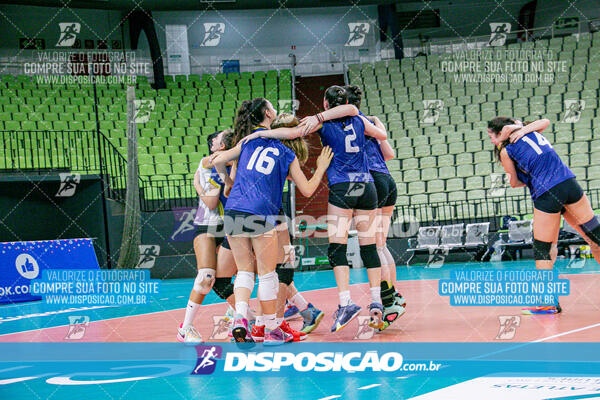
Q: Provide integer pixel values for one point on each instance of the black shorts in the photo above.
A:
(387, 193)
(241, 223)
(217, 231)
(353, 195)
(553, 201)
(225, 243)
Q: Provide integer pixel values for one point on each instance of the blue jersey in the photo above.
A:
(263, 167)
(346, 137)
(536, 159)
(374, 154)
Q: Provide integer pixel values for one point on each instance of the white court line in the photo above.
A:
(567, 333)
(369, 386)
(335, 396)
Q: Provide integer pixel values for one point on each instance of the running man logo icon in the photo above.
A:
(289, 105)
(508, 326)
(357, 185)
(576, 262)
(68, 33)
(143, 109)
(573, 109)
(364, 331)
(358, 33)
(437, 257)
(212, 34)
(148, 254)
(220, 327)
(207, 359)
(499, 183)
(184, 224)
(68, 184)
(500, 31)
(431, 111)
(77, 326)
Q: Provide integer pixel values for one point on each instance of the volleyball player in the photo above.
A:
(352, 196)
(378, 152)
(254, 201)
(531, 161)
(208, 221)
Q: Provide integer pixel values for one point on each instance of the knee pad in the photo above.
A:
(542, 250)
(285, 273)
(592, 229)
(369, 256)
(204, 280)
(223, 287)
(336, 252)
(244, 279)
(268, 286)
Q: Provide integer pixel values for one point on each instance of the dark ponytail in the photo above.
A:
(354, 95)
(250, 114)
(496, 125)
(336, 96)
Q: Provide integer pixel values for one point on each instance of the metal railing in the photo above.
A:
(84, 152)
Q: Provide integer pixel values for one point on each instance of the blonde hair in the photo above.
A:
(298, 145)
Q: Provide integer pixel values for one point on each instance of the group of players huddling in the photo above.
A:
(241, 229)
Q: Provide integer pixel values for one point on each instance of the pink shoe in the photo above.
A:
(274, 337)
(240, 331)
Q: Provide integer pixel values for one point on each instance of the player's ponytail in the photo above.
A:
(354, 95)
(297, 145)
(250, 114)
(336, 96)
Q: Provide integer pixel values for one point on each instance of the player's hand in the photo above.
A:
(324, 158)
(308, 124)
(212, 157)
(250, 137)
(507, 130)
(227, 190)
(516, 135)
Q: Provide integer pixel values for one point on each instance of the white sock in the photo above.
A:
(299, 301)
(270, 321)
(190, 313)
(241, 307)
(376, 294)
(260, 320)
(279, 321)
(345, 299)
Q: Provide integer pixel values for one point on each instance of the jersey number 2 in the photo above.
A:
(261, 161)
(351, 148)
(541, 141)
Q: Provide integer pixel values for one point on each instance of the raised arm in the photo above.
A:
(308, 187)
(386, 149)
(223, 158)
(313, 123)
(279, 133)
(509, 131)
(511, 171)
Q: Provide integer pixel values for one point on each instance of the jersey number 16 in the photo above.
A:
(261, 161)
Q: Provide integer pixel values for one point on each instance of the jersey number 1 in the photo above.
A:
(541, 141)
(261, 161)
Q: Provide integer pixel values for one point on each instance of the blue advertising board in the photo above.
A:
(20, 262)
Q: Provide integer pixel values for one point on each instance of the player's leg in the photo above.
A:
(546, 226)
(580, 216)
(241, 247)
(206, 263)
(266, 251)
